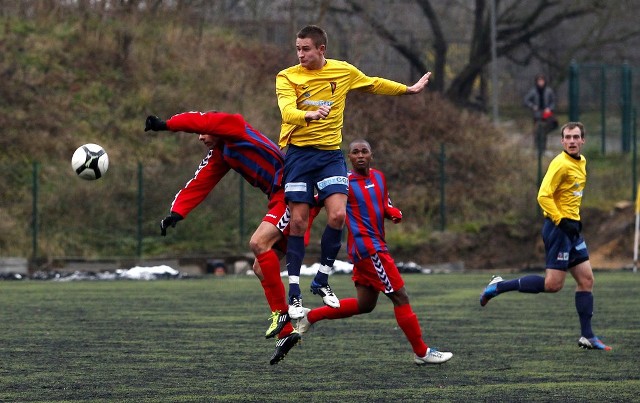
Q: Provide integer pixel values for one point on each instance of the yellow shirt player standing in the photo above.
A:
(559, 197)
(311, 98)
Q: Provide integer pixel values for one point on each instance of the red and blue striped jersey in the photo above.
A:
(367, 207)
(240, 147)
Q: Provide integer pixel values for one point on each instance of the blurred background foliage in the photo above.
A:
(76, 72)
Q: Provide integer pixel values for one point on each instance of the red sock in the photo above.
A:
(272, 283)
(408, 322)
(348, 307)
(273, 287)
(286, 330)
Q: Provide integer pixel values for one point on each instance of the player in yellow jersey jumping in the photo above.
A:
(311, 98)
(560, 196)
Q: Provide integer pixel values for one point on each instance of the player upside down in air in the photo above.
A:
(234, 144)
(374, 270)
(560, 196)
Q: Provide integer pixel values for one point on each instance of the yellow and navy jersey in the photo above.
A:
(561, 189)
(300, 90)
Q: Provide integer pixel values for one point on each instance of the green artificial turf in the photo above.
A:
(203, 340)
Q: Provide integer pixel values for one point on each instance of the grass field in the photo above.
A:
(202, 340)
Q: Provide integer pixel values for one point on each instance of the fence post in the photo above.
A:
(574, 92)
(634, 159)
(140, 200)
(241, 215)
(34, 210)
(540, 136)
(443, 205)
(627, 107)
(603, 108)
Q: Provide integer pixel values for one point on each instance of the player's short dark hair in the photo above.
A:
(362, 141)
(573, 125)
(315, 33)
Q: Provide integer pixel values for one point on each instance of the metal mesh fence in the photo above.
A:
(54, 214)
(605, 98)
(51, 212)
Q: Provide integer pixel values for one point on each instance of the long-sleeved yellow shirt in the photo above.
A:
(300, 90)
(561, 189)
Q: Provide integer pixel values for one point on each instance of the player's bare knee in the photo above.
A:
(585, 284)
(589, 283)
(336, 219)
(298, 226)
(366, 308)
(258, 246)
(399, 297)
(552, 287)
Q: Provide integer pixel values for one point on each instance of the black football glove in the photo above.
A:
(169, 221)
(154, 123)
(570, 227)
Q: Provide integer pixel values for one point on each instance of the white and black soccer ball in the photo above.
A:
(90, 161)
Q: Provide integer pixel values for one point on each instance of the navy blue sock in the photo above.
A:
(531, 284)
(329, 248)
(295, 254)
(584, 306)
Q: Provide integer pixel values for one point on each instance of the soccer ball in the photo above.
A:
(90, 161)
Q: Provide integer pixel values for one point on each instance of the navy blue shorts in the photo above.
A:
(307, 169)
(562, 252)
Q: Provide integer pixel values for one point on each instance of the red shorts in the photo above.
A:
(379, 272)
(279, 216)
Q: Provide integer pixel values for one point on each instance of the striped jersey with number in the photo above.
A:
(367, 207)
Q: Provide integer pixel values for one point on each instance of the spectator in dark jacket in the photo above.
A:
(542, 101)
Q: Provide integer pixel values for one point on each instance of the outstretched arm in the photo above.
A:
(209, 173)
(225, 125)
(420, 85)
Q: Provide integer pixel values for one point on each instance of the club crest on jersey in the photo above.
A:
(563, 256)
(333, 85)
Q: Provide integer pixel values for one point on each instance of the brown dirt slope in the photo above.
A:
(609, 236)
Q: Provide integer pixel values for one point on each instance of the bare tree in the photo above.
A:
(523, 31)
